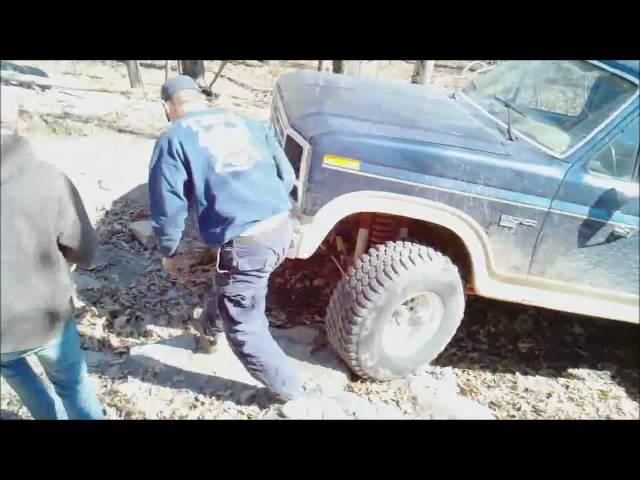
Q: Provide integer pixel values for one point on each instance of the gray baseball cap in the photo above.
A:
(177, 84)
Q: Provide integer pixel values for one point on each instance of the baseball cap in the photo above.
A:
(177, 84)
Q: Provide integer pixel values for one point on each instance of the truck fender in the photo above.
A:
(313, 230)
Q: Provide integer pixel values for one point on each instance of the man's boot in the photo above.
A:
(207, 325)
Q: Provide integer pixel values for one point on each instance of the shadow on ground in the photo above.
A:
(175, 363)
(161, 374)
(9, 415)
(508, 338)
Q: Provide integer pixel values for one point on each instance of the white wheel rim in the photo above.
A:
(410, 325)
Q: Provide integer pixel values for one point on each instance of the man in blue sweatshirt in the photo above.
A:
(237, 179)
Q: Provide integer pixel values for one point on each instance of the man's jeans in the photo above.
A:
(62, 360)
(244, 267)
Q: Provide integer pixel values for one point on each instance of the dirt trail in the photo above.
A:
(519, 362)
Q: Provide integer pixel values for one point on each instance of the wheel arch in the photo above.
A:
(315, 229)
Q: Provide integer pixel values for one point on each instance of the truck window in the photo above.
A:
(618, 158)
(562, 102)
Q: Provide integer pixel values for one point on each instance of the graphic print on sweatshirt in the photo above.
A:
(228, 140)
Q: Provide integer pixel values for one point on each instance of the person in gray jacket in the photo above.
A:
(44, 227)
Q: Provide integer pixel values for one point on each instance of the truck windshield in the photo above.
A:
(561, 102)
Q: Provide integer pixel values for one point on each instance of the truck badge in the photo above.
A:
(512, 222)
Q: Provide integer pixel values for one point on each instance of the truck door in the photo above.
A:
(590, 235)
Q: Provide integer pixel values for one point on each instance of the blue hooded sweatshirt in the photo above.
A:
(228, 169)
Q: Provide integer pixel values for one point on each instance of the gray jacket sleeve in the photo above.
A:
(77, 240)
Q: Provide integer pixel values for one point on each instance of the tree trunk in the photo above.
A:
(429, 68)
(135, 79)
(325, 65)
(357, 68)
(423, 72)
(223, 63)
(272, 65)
(418, 68)
(194, 69)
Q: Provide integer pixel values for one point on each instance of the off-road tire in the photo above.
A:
(378, 282)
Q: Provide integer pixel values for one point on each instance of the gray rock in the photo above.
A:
(439, 398)
(120, 323)
(322, 368)
(84, 281)
(114, 371)
(442, 381)
(143, 232)
(246, 395)
(355, 406)
(274, 414)
(362, 409)
(138, 196)
(94, 359)
(385, 411)
(313, 408)
(447, 406)
(448, 376)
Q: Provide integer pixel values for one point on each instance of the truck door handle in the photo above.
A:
(623, 232)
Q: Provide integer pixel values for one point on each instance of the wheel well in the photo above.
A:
(344, 235)
(445, 241)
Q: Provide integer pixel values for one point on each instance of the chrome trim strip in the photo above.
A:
(620, 73)
(475, 195)
(593, 219)
(306, 148)
(431, 187)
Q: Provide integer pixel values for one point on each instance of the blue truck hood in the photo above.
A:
(318, 103)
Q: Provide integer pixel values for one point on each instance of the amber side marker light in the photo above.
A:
(343, 162)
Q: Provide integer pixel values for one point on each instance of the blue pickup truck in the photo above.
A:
(522, 187)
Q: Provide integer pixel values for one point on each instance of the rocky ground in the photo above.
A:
(506, 361)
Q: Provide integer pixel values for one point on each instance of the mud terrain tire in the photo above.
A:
(366, 299)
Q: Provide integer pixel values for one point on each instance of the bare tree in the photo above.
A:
(429, 68)
(423, 72)
(194, 69)
(357, 68)
(418, 69)
(361, 68)
(135, 78)
(223, 63)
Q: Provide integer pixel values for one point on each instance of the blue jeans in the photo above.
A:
(74, 396)
(244, 267)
